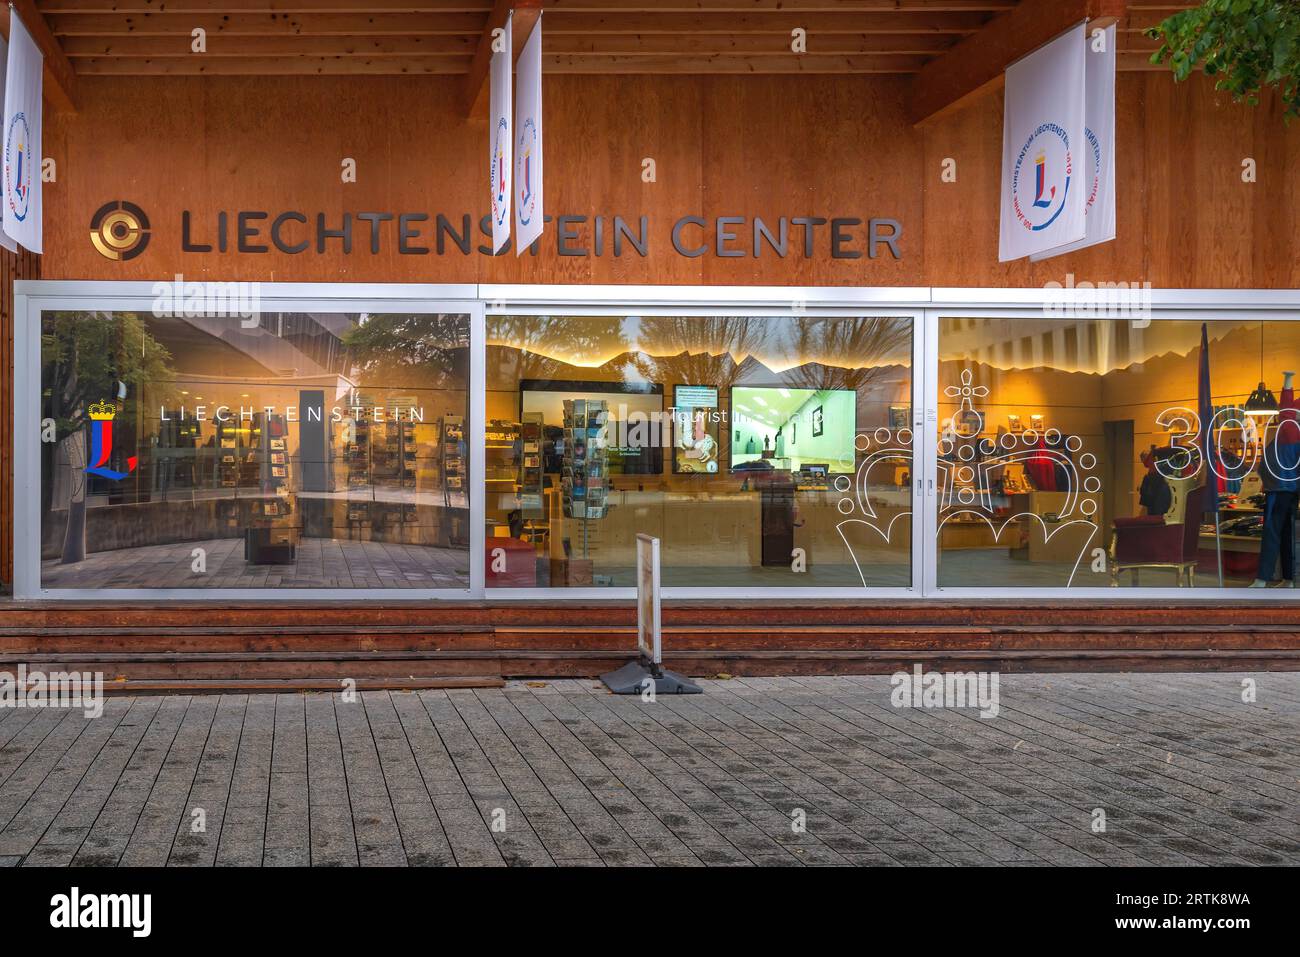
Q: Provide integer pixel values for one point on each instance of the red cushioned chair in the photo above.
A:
(1159, 541)
(510, 563)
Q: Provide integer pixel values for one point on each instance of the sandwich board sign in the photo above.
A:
(649, 636)
(646, 673)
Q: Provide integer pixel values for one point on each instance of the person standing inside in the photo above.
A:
(1279, 473)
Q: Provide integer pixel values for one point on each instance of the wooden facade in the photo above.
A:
(766, 146)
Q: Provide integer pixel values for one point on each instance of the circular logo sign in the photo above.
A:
(18, 166)
(119, 230)
(524, 189)
(1041, 178)
(500, 204)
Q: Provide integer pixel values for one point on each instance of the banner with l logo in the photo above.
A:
(1042, 148)
(501, 139)
(5, 241)
(22, 137)
(528, 142)
(1098, 183)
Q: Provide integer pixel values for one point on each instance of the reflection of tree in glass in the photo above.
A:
(84, 355)
(866, 346)
(410, 351)
(696, 350)
(548, 347)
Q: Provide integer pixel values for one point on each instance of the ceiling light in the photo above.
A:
(1261, 402)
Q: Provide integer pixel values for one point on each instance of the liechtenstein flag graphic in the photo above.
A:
(1040, 183)
(101, 443)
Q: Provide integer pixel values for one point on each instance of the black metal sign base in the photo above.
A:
(632, 678)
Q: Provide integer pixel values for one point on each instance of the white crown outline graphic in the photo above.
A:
(1077, 509)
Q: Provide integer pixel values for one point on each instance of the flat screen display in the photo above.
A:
(696, 424)
(788, 429)
(635, 412)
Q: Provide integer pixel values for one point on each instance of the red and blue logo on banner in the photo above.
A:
(101, 443)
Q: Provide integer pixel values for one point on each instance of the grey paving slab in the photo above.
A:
(1105, 770)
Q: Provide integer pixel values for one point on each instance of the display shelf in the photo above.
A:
(584, 479)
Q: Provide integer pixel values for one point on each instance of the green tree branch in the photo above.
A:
(1247, 45)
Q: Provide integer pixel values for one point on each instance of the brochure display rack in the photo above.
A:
(584, 482)
(271, 537)
(584, 479)
(454, 474)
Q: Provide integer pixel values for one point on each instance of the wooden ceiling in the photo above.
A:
(420, 37)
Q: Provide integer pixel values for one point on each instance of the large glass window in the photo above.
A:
(290, 450)
(761, 451)
(1116, 452)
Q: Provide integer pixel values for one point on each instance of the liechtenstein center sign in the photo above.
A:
(293, 232)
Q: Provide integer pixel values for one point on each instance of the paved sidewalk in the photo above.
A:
(563, 773)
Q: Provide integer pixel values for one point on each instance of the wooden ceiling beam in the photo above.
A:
(190, 7)
(975, 66)
(170, 23)
(483, 6)
(743, 65)
(274, 66)
(79, 48)
(457, 66)
(60, 80)
(920, 7)
(526, 13)
(723, 44)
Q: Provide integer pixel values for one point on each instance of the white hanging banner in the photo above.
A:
(5, 241)
(1042, 133)
(500, 138)
(22, 137)
(528, 143)
(1099, 146)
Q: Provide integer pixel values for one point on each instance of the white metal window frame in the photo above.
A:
(1172, 305)
(926, 305)
(34, 297)
(759, 304)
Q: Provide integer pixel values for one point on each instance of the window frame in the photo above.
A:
(925, 305)
(1167, 305)
(35, 297)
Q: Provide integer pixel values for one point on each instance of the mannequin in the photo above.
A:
(1279, 471)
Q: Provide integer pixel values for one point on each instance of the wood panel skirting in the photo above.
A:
(203, 646)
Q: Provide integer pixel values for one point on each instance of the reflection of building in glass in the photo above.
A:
(292, 429)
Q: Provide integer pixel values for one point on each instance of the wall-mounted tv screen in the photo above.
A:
(696, 420)
(789, 429)
(636, 413)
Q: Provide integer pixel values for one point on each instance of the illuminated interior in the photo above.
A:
(331, 451)
(1054, 436)
(757, 426)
